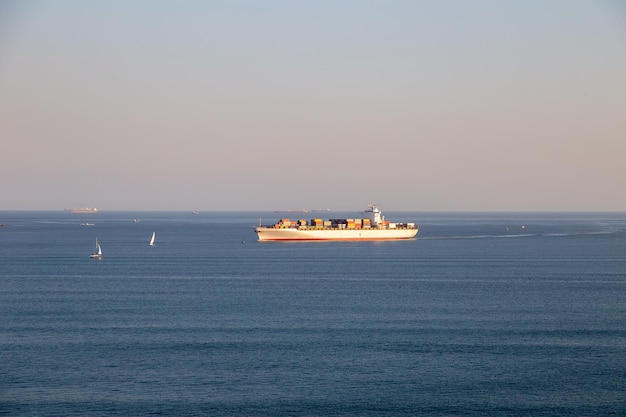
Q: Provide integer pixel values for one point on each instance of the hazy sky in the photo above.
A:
(276, 105)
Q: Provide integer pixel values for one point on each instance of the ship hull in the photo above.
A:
(82, 210)
(290, 234)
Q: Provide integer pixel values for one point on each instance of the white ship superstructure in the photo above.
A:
(372, 226)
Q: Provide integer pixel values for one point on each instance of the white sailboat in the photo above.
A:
(98, 253)
(152, 239)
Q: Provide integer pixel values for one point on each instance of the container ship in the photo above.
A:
(372, 226)
(82, 210)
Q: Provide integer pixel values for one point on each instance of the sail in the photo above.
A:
(98, 253)
(152, 239)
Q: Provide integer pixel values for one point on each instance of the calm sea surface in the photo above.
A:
(477, 316)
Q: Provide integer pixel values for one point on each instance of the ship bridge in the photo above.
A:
(374, 215)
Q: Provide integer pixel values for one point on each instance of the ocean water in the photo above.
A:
(477, 316)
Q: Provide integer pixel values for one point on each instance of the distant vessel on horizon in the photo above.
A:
(327, 210)
(152, 238)
(82, 210)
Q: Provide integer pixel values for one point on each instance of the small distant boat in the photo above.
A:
(195, 212)
(82, 210)
(135, 220)
(98, 253)
(152, 239)
(87, 224)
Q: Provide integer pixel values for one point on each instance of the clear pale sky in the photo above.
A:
(278, 105)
